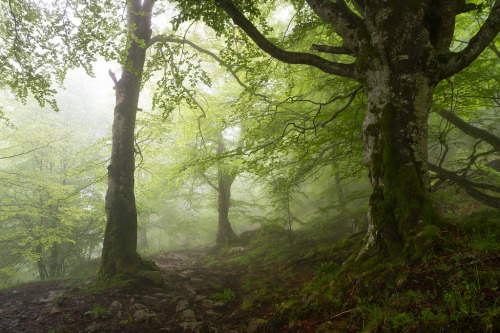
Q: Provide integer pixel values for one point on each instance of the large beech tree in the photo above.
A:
(400, 51)
(119, 253)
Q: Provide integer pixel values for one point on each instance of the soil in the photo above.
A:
(186, 302)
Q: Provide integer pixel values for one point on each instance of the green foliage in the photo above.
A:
(402, 320)
(98, 310)
(227, 295)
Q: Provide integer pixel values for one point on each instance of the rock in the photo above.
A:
(182, 305)
(206, 303)
(190, 289)
(232, 315)
(198, 327)
(212, 313)
(199, 298)
(178, 277)
(188, 316)
(154, 277)
(238, 249)
(468, 255)
(140, 306)
(94, 327)
(55, 310)
(115, 305)
(257, 325)
(145, 316)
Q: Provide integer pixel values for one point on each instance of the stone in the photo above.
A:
(188, 316)
(140, 306)
(206, 303)
(94, 327)
(212, 313)
(199, 298)
(115, 305)
(256, 325)
(238, 249)
(190, 289)
(197, 327)
(154, 277)
(182, 305)
(144, 316)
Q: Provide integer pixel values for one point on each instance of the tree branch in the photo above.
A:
(331, 49)
(345, 70)
(456, 61)
(343, 20)
(209, 182)
(470, 130)
(469, 187)
(359, 5)
(460, 180)
(163, 39)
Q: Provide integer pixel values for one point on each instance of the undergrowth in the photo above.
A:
(449, 284)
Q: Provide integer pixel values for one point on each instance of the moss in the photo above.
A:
(428, 231)
(414, 4)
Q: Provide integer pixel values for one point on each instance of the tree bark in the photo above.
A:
(42, 270)
(119, 253)
(401, 74)
(225, 234)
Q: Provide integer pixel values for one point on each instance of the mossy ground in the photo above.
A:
(309, 280)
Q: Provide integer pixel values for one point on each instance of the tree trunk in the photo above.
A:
(54, 260)
(225, 234)
(143, 233)
(42, 270)
(399, 86)
(340, 190)
(119, 253)
(395, 138)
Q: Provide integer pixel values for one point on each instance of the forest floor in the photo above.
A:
(195, 298)
(281, 282)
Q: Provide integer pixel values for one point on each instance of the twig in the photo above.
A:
(338, 314)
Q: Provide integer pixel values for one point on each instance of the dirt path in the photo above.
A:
(185, 303)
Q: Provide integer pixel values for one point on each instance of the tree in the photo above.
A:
(225, 177)
(399, 51)
(50, 192)
(119, 253)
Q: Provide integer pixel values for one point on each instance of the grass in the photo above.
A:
(227, 295)
(449, 284)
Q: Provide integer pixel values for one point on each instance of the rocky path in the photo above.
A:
(187, 302)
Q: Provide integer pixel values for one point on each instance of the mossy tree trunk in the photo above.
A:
(119, 253)
(401, 75)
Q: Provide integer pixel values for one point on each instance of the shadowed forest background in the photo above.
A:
(284, 166)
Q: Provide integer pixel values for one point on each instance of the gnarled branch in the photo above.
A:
(330, 67)
(454, 62)
(470, 130)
